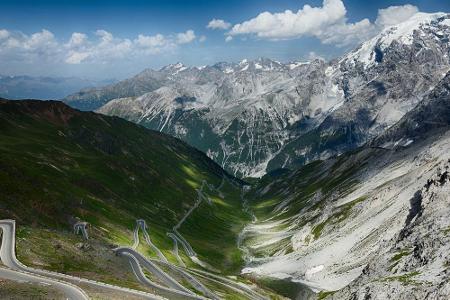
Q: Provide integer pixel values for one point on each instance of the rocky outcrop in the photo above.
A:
(415, 264)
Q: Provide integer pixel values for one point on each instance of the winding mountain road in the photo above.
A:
(172, 289)
(81, 227)
(154, 269)
(137, 260)
(143, 225)
(177, 235)
(175, 249)
(169, 293)
(21, 272)
(241, 288)
(192, 280)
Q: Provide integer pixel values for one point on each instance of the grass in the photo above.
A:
(317, 230)
(399, 255)
(72, 172)
(405, 279)
(63, 252)
(309, 187)
(306, 191)
(59, 165)
(27, 290)
(284, 288)
(446, 231)
(212, 229)
(324, 294)
(342, 213)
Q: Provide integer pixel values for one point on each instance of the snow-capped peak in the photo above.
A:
(175, 66)
(402, 33)
(178, 65)
(243, 62)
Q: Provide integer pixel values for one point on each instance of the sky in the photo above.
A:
(116, 39)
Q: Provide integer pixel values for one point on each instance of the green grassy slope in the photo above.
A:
(27, 290)
(58, 165)
(300, 196)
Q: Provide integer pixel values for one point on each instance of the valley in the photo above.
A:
(289, 234)
(201, 207)
(256, 179)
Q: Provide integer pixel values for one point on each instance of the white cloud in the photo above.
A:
(288, 24)
(102, 47)
(151, 41)
(218, 24)
(16, 46)
(344, 34)
(109, 47)
(185, 37)
(202, 39)
(75, 57)
(105, 36)
(228, 39)
(77, 39)
(38, 40)
(395, 14)
(4, 34)
(154, 44)
(328, 23)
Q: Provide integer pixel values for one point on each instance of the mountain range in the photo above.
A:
(370, 223)
(249, 180)
(254, 117)
(23, 86)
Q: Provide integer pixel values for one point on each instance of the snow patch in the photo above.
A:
(180, 69)
(297, 64)
(228, 70)
(446, 22)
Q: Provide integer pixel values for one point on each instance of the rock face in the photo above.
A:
(256, 116)
(239, 114)
(415, 263)
(382, 80)
(432, 113)
(370, 224)
(336, 217)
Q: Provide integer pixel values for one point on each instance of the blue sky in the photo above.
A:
(115, 39)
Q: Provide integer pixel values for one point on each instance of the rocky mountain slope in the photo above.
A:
(236, 113)
(146, 81)
(369, 224)
(382, 80)
(256, 116)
